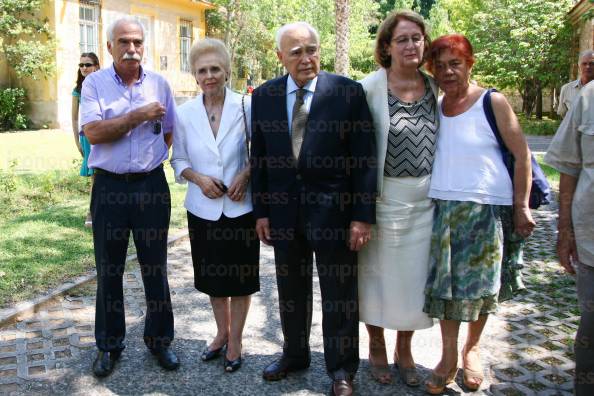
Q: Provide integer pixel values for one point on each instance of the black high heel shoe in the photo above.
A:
(232, 365)
(212, 354)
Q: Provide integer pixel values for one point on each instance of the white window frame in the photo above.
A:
(185, 42)
(86, 25)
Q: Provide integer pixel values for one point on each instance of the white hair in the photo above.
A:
(294, 25)
(585, 53)
(125, 19)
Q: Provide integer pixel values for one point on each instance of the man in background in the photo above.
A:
(570, 90)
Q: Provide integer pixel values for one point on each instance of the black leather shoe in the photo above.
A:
(341, 388)
(232, 365)
(105, 362)
(166, 358)
(212, 354)
(278, 369)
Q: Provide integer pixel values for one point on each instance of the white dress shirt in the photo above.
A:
(566, 96)
(292, 88)
(223, 157)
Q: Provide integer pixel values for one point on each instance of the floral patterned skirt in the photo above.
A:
(469, 244)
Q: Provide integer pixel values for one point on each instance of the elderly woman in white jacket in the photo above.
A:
(393, 267)
(210, 152)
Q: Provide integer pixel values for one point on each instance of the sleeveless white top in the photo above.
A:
(468, 164)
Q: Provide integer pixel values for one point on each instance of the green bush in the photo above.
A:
(533, 126)
(12, 109)
(8, 179)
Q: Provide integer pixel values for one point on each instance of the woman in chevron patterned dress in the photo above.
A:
(473, 195)
(393, 267)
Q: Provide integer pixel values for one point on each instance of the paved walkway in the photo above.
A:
(527, 347)
(539, 144)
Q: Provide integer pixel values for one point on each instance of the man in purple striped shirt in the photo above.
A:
(127, 113)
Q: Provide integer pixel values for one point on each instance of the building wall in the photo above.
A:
(584, 32)
(51, 98)
(587, 35)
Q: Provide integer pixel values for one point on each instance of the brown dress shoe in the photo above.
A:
(342, 388)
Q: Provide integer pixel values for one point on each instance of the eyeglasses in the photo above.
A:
(403, 40)
(86, 65)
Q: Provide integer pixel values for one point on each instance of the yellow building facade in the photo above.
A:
(81, 25)
(584, 30)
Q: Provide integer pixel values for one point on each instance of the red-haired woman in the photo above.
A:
(473, 197)
(89, 63)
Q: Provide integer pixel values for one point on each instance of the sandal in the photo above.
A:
(409, 375)
(380, 374)
(436, 384)
(470, 374)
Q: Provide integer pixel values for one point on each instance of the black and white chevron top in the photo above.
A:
(412, 136)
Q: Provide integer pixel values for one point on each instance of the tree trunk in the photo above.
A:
(529, 98)
(552, 112)
(341, 61)
(538, 100)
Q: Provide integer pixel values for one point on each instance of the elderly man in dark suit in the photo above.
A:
(313, 186)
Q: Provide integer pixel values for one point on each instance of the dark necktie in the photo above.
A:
(298, 122)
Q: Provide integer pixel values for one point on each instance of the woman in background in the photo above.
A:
(89, 63)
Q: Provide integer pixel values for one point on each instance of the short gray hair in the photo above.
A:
(212, 46)
(294, 25)
(125, 19)
(587, 52)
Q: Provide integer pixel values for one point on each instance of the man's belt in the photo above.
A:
(128, 177)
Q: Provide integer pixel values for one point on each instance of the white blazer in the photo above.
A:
(375, 86)
(195, 147)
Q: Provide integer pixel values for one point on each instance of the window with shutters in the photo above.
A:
(185, 42)
(88, 21)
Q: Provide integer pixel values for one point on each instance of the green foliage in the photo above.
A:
(520, 44)
(522, 40)
(47, 185)
(8, 180)
(533, 126)
(424, 7)
(12, 109)
(439, 22)
(248, 29)
(26, 40)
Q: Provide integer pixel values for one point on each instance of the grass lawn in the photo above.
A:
(544, 127)
(38, 151)
(43, 203)
(551, 173)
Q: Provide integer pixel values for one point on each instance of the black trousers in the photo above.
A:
(141, 207)
(337, 272)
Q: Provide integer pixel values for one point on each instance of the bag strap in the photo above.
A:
(490, 116)
(245, 128)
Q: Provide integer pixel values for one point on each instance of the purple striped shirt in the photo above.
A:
(104, 96)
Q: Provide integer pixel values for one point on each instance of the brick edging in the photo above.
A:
(9, 315)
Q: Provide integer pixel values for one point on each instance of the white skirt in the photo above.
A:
(393, 266)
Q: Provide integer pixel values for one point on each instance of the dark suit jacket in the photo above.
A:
(334, 179)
